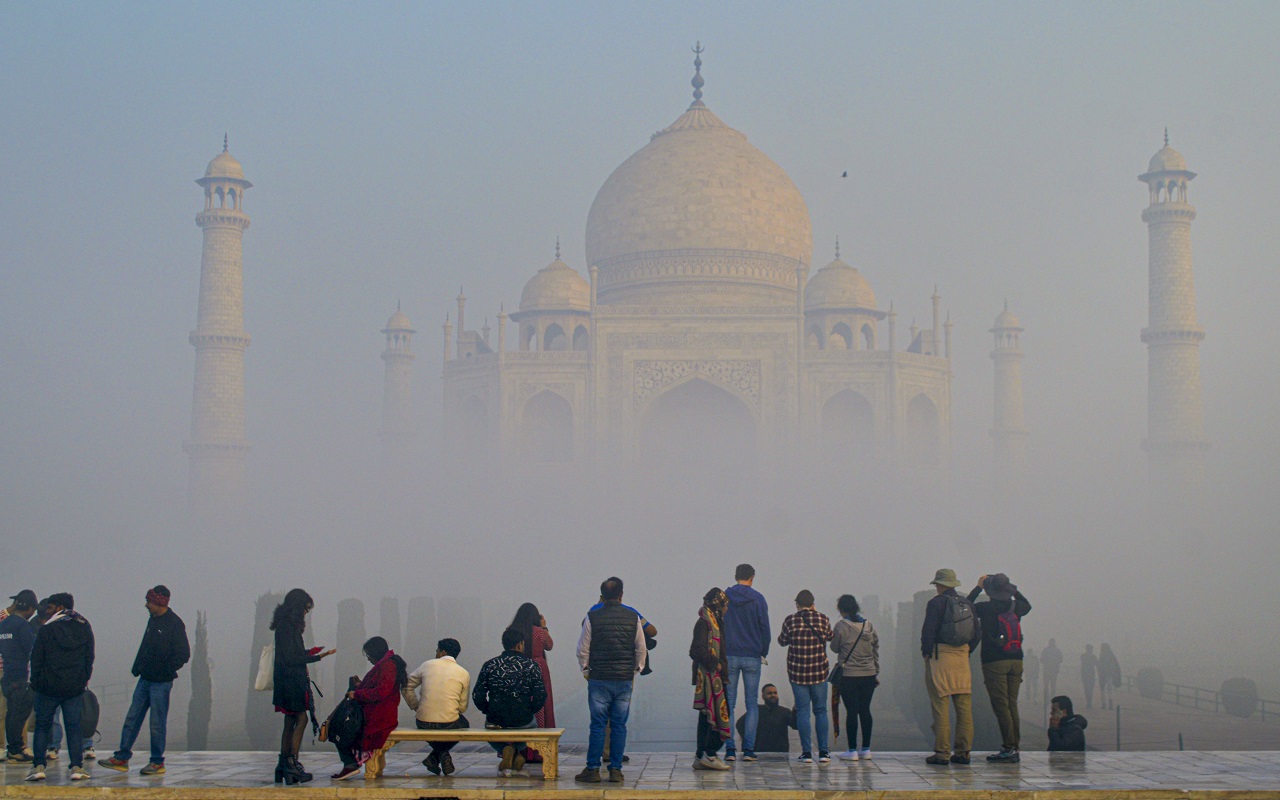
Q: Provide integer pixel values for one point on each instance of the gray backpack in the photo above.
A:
(958, 621)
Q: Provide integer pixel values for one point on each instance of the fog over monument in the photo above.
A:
(540, 296)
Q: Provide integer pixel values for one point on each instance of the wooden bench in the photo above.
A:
(545, 740)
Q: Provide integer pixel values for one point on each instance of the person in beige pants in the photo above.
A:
(946, 675)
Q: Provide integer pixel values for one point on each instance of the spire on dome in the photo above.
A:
(837, 248)
(697, 81)
(1166, 135)
(224, 141)
(557, 248)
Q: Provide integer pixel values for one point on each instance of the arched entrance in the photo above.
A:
(547, 426)
(922, 432)
(697, 428)
(848, 426)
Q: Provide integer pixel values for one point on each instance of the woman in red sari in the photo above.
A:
(537, 641)
(378, 694)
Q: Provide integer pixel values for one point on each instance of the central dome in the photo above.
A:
(698, 215)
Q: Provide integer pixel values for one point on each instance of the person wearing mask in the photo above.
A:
(164, 650)
(537, 641)
(509, 692)
(439, 691)
(746, 641)
(611, 650)
(1109, 676)
(291, 690)
(949, 635)
(1000, 619)
(378, 694)
(1088, 674)
(857, 647)
(17, 637)
(775, 720)
(61, 666)
(709, 668)
(805, 635)
(1066, 728)
(1051, 661)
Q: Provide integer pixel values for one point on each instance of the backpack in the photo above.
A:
(89, 716)
(1009, 632)
(958, 621)
(344, 725)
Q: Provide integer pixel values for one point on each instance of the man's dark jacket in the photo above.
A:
(1069, 735)
(988, 612)
(62, 658)
(164, 649)
(612, 656)
(509, 690)
(771, 732)
(16, 638)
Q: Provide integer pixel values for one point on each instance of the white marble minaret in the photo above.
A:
(217, 446)
(1175, 442)
(397, 408)
(1008, 427)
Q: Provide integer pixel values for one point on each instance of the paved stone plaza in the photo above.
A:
(1148, 775)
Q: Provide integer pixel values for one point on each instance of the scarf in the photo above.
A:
(709, 694)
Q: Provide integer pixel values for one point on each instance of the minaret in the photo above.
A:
(1008, 427)
(1175, 442)
(217, 446)
(397, 409)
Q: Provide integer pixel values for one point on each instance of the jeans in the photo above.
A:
(1003, 679)
(72, 708)
(815, 696)
(856, 694)
(609, 701)
(19, 700)
(500, 746)
(440, 748)
(146, 695)
(749, 668)
(55, 736)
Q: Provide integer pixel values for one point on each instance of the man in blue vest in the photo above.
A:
(611, 651)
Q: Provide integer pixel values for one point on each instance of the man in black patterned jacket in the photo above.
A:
(509, 691)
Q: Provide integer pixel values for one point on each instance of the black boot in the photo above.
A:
(293, 772)
(302, 775)
(282, 766)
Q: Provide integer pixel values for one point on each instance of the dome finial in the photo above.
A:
(837, 248)
(557, 248)
(697, 81)
(224, 142)
(1166, 135)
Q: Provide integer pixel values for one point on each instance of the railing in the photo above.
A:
(1196, 697)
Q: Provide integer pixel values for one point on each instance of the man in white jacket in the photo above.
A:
(439, 691)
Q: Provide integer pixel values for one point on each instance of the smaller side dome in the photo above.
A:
(399, 322)
(1167, 160)
(1006, 320)
(838, 285)
(556, 287)
(224, 165)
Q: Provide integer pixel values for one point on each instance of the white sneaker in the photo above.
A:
(865, 753)
(701, 763)
(51, 755)
(79, 774)
(715, 763)
(36, 774)
(848, 755)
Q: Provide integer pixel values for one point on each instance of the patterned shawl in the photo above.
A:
(709, 693)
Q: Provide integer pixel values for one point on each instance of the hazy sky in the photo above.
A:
(399, 151)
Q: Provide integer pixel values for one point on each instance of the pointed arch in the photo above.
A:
(868, 336)
(697, 427)
(815, 340)
(922, 431)
(848, 424)
(553, 338)
(841, 337)
(547, 428)
(580, 338)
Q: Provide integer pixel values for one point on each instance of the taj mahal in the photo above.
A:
(698, 326)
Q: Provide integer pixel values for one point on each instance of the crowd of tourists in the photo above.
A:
(47, 652)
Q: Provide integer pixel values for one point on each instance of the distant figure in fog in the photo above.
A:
(537, 641)
(1031, 670)
(805, 635)
(1109, 677)
(291, 690)
(1066, 728)
(439, 691)
(857, 648)
(709, 672)
(378, 694)
(1051, 660)
(746, 641)
(1088, 674)
(775, 720)
(1000, 619)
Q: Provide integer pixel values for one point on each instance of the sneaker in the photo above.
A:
(848, 755)
(446, 764)
(36, 774)
(51, 755)
(344, 773)
(730, 755)
(806, 757)
(78, 773)
(824, 757)
(432, 763)
(749, 755)
(937, 760)
(588, 775)
(960, 759)
(703, 762)
(114, 763)
(615, 775)
(865, 753)
(152, 769)
(90, 754)
(715, 763)
(18, 758)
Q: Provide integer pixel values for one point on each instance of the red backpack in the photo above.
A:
(1009, 632)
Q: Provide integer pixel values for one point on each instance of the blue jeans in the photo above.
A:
(609, 701)
(55, 737)
(749, 668)
(146, 695)
(72, 708)
(815, 696)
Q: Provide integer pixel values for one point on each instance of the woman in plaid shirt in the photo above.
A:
(805, 635)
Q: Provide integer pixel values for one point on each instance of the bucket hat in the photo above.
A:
(945, 577)
(998, 587)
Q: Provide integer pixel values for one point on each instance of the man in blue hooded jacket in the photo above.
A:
(746, 644)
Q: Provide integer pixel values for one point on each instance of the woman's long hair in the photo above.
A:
(292, 612)
(376, 648)
(527, 616)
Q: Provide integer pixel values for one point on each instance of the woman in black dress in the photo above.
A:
(292, 690)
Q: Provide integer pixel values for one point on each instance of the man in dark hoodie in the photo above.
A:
(509, 691)
(164, 651)
(61, 665)
(746, 644)
(16, 639)
(1066, 728)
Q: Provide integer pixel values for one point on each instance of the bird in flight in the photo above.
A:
(845, 174)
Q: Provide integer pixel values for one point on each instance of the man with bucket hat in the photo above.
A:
(1000, 618)
(950, 633)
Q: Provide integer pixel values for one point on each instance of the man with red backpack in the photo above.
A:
(1001, 618)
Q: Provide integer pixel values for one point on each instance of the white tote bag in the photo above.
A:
(265, 681)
